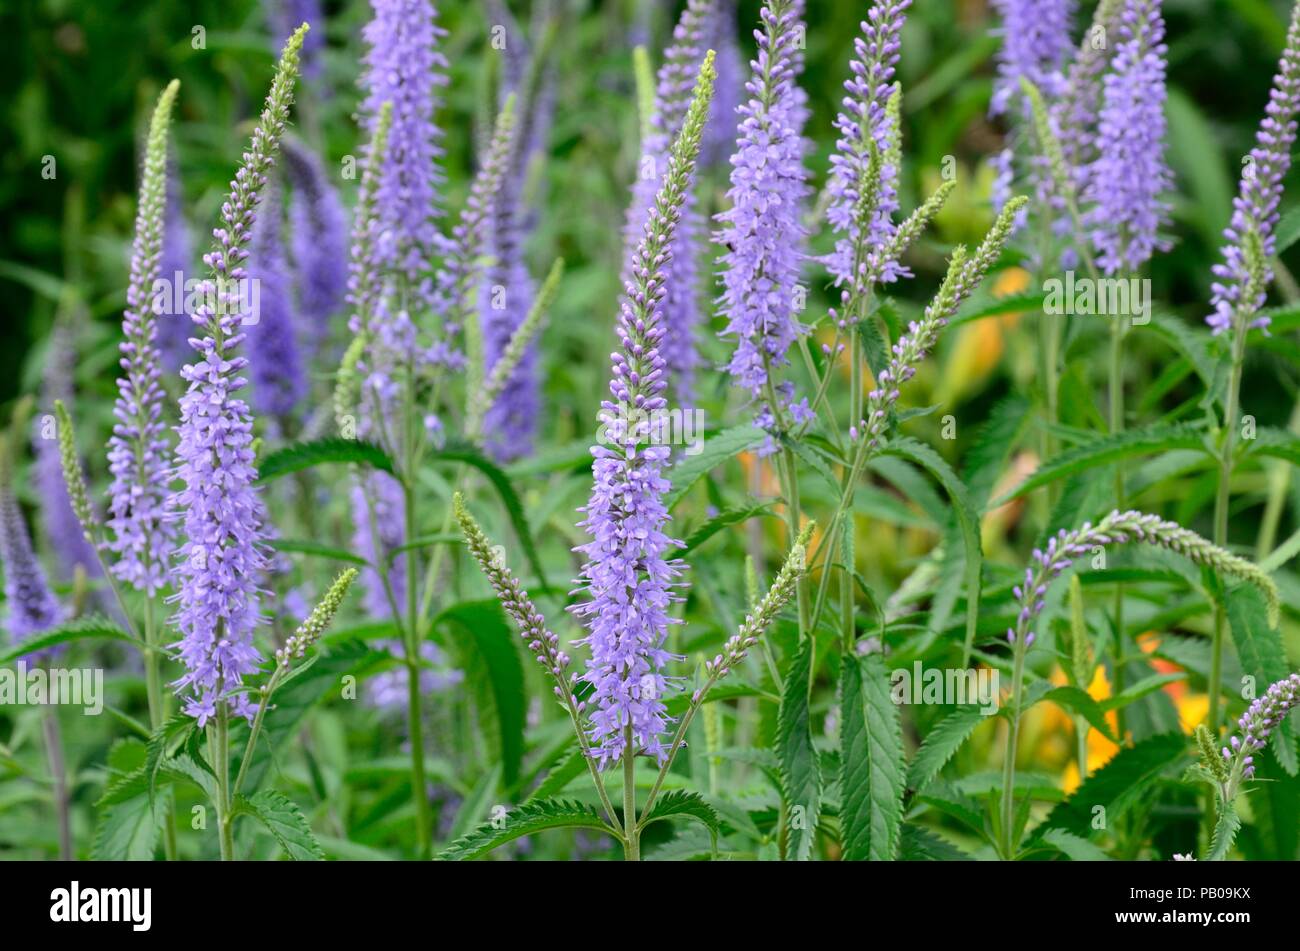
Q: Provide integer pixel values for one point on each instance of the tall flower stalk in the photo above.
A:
(220, 557)
(1062, 550)
(1242, 280)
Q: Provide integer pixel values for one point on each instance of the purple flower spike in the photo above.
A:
(30, 605)
(628, 578)
(1036, 39)
(220, 557)
(404, 67)
(279, 379)
(1255, 209)
(763, 230)
(1129, 176)
(318, 243)
(865, 119)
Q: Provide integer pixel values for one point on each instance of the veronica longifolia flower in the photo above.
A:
(1237, 295)
(1036, 40)
(220, 556)
(763, 230)
(318, 242)
(404, 67)
(628, 577)
(64, 532)
(139, 450)
(174, 263)
(1118, 528)
(1129, 176)
(29, 603)
(279, 377)
(681, 310)
(865, 123)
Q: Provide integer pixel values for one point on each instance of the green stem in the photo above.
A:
(1009, 764)
(1118, 328)
(59, 775)
(219, 749)
(631, 834)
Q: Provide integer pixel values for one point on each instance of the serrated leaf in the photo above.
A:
(1075, 848)
(992, 447)
(81, 629)
(474, 810)
(718, 448)
(801, 781)
(485, 645)
(1275, 443)
(520, 821)
(285, 821)
(941, 743)
(129, 823)
(163, 743)
(1262, 656)
(919, 844)
(569, 769)
(1139, 690)
(330, 449)
(1104, 450)
(1225, 833)
(872, 767)
(1119, 784)
(681, 803)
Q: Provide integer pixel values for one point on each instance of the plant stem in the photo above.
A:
(632, 835)
(219, 745)
(1118, 328)
(1009, 763)
(58, 773)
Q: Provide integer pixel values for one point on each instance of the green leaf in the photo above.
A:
(1225, 832)
(1262, 656)
(520, 821)
(1137, 691)
(801, 781)
(732, 516)
(569, 769)
(967, 519)
(941, 743)
(1075, 848)
(1194, 344)
(304, 547)
(1073, 699)
(872, 767)
(1275, 443)
(470, 456)
(919, 844)
(164, 743)
(987, 457)
(1118, 785)
(129, 821)
(81, 629)
(474, 810)
(285, 821)
(307, 455)
(1104, 450)
(681, 803)
(718, 448)
(485, 647)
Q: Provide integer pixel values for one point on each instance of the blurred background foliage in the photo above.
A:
(78, 82)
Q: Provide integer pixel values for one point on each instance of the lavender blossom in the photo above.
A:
(318, 242)
(1255, 209)
(31, 606)
(1118, 528)
(63, 531)
(279, 378)
(628, 578)
(175, 262)
(1259, 720)
(404, 67)
(1036, 39)
(866, 153)
(1129, 175)
(142, 536)
(729, 91)
(681, 311)
(763, 230)
(220, 556)
(388, 689)
(1075, 113)
(379, 527)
